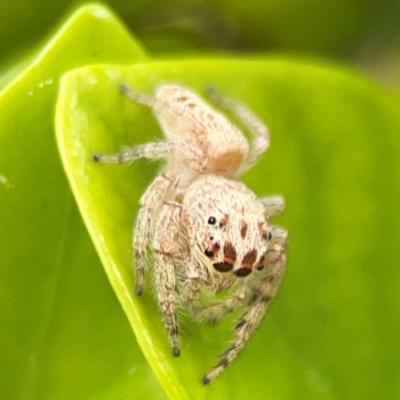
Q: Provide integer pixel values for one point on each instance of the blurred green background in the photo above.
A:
(335, 157)
(365, 33)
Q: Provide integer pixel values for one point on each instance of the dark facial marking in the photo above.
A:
(229, 253)
(243, 228)
(209, 253)
(247, 264)
(216, 247)
(224, 221)
(242, 272)
(263, 230)
(249, 259)
(223, 266)
(260, 264)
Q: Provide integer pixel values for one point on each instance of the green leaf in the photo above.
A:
(332, 332)
(63, 334)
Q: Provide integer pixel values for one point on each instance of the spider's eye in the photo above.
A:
(212, 220)
(209, 253)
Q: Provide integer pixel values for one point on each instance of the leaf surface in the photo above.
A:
(331, 333)
(63, 334)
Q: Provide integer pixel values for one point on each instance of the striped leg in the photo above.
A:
(262, 297)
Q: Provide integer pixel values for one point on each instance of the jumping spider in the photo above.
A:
(209, 232)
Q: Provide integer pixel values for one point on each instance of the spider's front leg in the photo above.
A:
(166, 247)
(194, 160)
(262, 295)
(149, 203)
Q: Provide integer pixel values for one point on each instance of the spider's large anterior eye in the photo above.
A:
(223, 266)
(212, 220)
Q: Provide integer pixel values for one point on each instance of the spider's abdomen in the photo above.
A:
(185, 117)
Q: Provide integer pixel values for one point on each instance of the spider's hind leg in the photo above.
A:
(261, 138)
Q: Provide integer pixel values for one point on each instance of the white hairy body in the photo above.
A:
(208, 232)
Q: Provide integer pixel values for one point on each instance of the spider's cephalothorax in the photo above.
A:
(227, 224)
(207, 230)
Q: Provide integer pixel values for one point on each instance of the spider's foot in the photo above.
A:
(176, 352)
(210, 376)
(96, 157)
(138, 291)
(109, 158)
(124, 88)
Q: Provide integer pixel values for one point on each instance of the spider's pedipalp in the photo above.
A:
(274, 205)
